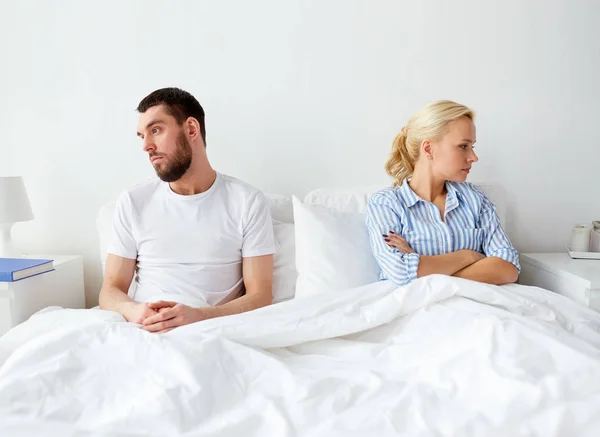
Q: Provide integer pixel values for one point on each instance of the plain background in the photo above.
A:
(298, 95)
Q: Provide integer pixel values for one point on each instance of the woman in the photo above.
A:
(431, 220)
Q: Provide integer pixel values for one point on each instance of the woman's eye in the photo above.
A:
(463, 146)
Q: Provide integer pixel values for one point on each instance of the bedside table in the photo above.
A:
(578, 279)
(62, 287)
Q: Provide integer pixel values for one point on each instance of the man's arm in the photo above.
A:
(258, 280)
(257, 273)
(113, 295)
(491, 270)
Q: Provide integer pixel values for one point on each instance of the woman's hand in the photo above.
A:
(397, 242)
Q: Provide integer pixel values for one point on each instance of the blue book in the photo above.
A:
(14, 269)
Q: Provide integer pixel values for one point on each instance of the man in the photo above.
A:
(200, 241)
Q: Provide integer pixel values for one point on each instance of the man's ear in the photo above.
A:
(192, 128)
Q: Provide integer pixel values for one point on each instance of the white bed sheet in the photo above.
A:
(442, 356)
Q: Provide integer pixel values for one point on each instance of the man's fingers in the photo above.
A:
(160, 317)
(163, 326)
(160, 326)
(161, 304)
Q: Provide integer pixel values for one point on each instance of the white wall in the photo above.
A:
(298, 94)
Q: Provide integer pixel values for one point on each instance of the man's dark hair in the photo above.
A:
(178, 103)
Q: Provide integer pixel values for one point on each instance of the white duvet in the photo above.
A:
(440, 357)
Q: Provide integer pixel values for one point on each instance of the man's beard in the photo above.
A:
(177, 164)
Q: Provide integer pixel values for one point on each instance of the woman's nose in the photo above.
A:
(473, 157)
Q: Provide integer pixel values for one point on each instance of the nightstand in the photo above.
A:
(62, 287)
(578, 279)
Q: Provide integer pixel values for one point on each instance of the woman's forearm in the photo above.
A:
(447, 264)
(491, 270)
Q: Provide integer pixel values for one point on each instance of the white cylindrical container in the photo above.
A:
(580, 238)
(595, 237)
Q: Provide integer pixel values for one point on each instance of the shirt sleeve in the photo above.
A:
(381, 218)
(258, 236)
(122, 242)
(495, 241)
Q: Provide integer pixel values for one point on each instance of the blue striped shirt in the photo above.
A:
(470, 222)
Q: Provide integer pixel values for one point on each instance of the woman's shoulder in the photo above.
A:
(470, 192)
(387, 193)
(389, 196)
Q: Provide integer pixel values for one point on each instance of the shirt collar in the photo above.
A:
(411, 198)
(408, 195)
(453, 197)
(453, 191)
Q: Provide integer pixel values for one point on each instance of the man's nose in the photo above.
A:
(149, 145)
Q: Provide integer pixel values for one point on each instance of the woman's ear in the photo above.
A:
(427, 149)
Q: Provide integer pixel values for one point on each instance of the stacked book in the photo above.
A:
(15, 269)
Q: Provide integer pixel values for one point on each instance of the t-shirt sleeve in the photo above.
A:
(122, 242)
(258, 236)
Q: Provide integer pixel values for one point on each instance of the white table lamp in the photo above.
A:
(14, 207)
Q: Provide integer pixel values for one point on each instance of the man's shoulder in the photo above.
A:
(141, 191)
(238, 187)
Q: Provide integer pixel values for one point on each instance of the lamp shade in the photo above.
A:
(14, 202)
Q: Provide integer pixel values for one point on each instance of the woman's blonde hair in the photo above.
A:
(428, 123)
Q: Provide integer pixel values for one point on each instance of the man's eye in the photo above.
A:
(155, 130)
(463, 146)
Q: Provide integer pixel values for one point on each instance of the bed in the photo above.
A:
(339, 353)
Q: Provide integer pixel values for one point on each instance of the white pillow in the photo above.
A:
(333, 251)
(281, 207)
(284, 262)
(349, 199)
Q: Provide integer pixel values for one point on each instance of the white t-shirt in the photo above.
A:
(189, 248)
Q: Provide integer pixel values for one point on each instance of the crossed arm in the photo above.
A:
(467, 264)
(163, 316)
